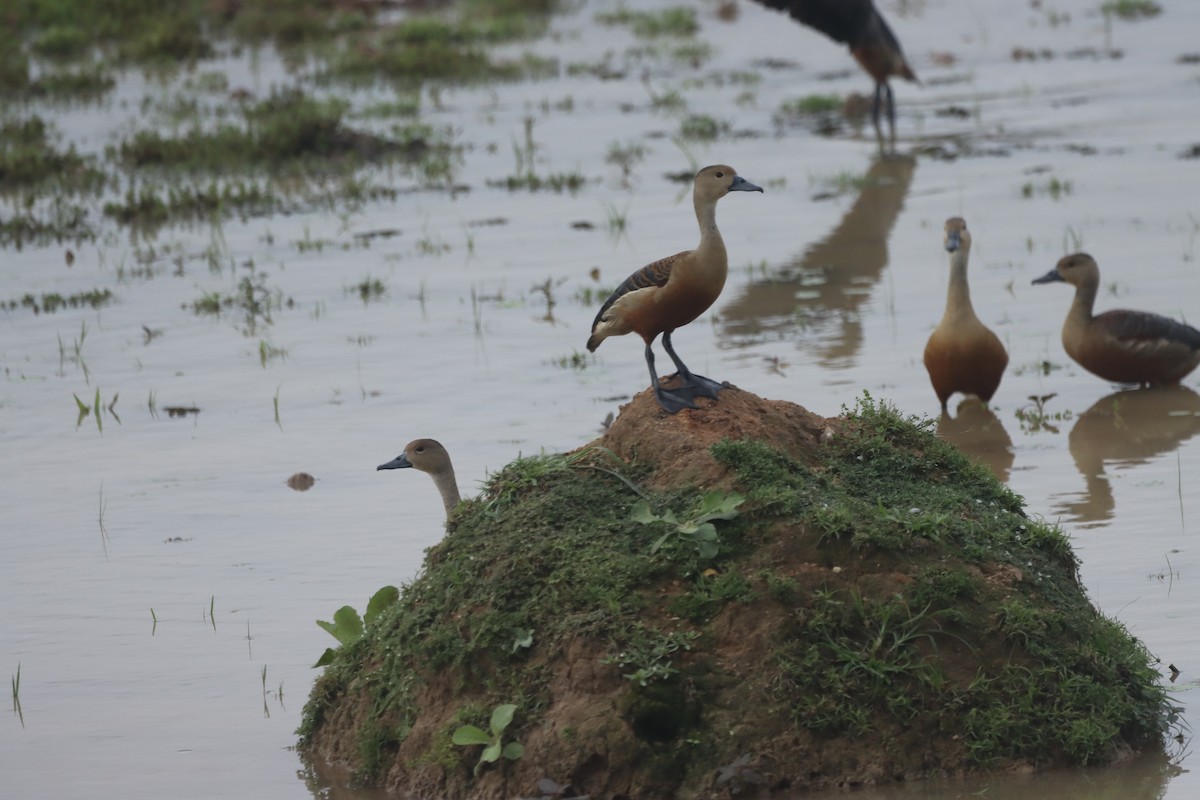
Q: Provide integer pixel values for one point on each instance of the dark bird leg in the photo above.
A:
(672, 402)
(891, 112)
(697, 385)
(876, 102)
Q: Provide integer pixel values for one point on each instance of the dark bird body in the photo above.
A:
(1122, 346)
(669, 293)
(858, 25)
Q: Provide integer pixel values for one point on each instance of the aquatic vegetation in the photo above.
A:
(810, 104)
(29, 160)
(1131, 9)
(53, 301)
(672, 21)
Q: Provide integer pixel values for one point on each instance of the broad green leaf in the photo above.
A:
(707, 532)
(346, 626)
(718, 505)
(514, 750)
(654, 548)
(326, 658)
(641, 513)
(83, 410)
(490, 753)
(379, 601)
(501, 717)
(469, 734)
(521, 638)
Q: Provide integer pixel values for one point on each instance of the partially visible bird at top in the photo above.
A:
(859, 25)
(962, 354)
(1122, 346)
(428, 456)
(672, 292)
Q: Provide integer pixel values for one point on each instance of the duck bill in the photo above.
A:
(1050, 277)
(953, 241)
(740, 184)
(399, 462)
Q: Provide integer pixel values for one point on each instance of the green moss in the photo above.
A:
(890, 585)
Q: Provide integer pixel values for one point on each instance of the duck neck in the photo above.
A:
(712, 246)
(958, 296)
(1084, 302)
(448, 487)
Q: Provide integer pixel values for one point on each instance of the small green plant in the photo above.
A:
(16, 695)
(1131, 9)
(269, 352)
(1035, 417)
(347, 626)
(810, 104)
(649, 652)
(700, 127)
(699, 529)
(492, 740)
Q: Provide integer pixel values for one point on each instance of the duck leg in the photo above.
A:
(891, 114)
(694, 385)
(671, 401)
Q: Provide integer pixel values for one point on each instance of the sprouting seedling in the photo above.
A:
(494, 747)
(699, 529)
(347, 627)
(16, 695)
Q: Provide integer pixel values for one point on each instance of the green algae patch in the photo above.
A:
(872, 607)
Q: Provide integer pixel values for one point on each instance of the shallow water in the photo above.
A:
(159, 518)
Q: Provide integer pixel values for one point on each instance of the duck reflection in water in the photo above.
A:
(821, 291)
(1125, 429)
(977, 431)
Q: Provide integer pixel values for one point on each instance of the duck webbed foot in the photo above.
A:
(674, 400)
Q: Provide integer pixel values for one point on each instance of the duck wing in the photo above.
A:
(1142, 326)
(654, 274)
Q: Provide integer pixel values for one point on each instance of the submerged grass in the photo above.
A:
(905, 591)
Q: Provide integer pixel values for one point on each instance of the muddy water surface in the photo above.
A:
(161, 580)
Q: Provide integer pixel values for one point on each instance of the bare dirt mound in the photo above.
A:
(741, 598)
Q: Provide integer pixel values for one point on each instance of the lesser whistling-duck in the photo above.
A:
(1134, 347)
(962, 354)
(428, 455)
(672, 292)
(859, 25)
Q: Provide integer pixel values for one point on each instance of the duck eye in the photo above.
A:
(720, 174)
(421, 449)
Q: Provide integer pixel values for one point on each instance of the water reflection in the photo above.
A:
(977, 431)
(822, 290)
(1124, 429)
(1144, 778)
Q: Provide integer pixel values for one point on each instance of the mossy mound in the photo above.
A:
(875, 608)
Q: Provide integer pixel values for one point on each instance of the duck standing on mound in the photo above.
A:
(670, 293)
(1121, 346)
(962, 354)
(428, 455)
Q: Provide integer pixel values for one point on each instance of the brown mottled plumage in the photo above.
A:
(1134, 347)
(672, 292)
(428, 456)
(962, 354)
(858, 24)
